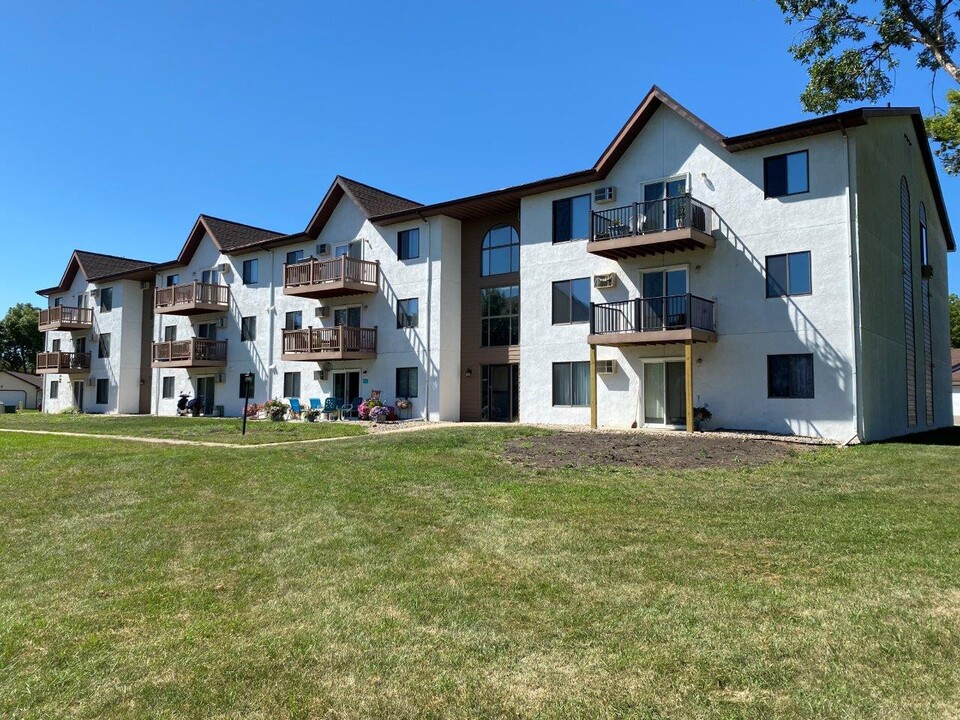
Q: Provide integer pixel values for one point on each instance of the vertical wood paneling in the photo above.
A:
(909, 327)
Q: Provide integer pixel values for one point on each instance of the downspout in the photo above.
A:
(851, 190)
(272, 310)
(429, 313)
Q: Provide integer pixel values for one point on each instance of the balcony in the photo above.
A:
(651, 228)
(66, 318)
(336, 343)
(653, 321)
(338, 277)
(69, 363)
(192, 353)
(194, 298)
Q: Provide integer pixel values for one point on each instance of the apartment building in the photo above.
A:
(791, 280)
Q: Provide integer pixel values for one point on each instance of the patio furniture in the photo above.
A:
(331, 406)
(295, 407)
(316, 404)
(351, 410)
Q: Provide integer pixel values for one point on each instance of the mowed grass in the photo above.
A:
(225, 430)
(419, 575)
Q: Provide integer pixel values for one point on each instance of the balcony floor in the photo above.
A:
(652, 337)
(188, 363)
(193, 308)
(323, 355)
(652, 243)
(65, 326)
(63, 371)
(333, 288)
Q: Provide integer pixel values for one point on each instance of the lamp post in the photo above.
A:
(247, 379)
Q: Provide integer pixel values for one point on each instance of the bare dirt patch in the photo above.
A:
(671, 451)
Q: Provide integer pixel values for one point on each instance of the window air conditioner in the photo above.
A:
(95, 292)
(603, 282)
(145, 285)
(224, 268)
(319, 374)
(91, 382)
(323, 249)
(222, 323)
(607, 367)
(220, 378)
(604, 194)
(322, 311)
(92, 337)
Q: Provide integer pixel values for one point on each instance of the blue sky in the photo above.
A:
(123, 121)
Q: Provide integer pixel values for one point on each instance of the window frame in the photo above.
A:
(295, 379)
(769, 158)
(106, 299)
(486, 251)
(293, 314)
(407, 371)
(403, 314)
(571, 199)
(792, 391)
(173, 279)
(103, 383)
(103, 348)
(246, 323)
(570, 304)
(169, 333)
(54, 389)
(250, 272)
(786, 291)
(55, 345)
(514, 318)
(570, 375)
(288, 261)
(405, 241)
(164, 393)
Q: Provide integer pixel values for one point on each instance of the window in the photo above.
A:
(294, 320)
(408, 313)
(790, 376)
(294, 256)
(173, 279)
(248, 383)
(106, 299)
(347, 316)
(54, 346)
(167, 391)
(408, 244)
(924, 254)
(571, 301)
(207, 331)
(103, 391)
(789, 275)
(103, 345)
(170, 333)
(571, 383)
(500, 316)
(54, 389)
(291, 384)
(251, 269)
(210, 277)
(406, 382)
(248, 328)
(571, 218)
(786, 174)
(57, 301)
(80, 345)
(500, 252)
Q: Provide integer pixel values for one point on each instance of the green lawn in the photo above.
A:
(226, 430)
(420, 575)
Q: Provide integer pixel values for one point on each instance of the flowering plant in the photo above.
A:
(275, 409)
(367, 406)
(379, 413)
(311, 414)
(253, 410)
(403, 404)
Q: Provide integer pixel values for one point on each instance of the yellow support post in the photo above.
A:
(593, 387)
(688, 366)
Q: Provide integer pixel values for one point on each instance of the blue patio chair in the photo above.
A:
(295, 407)
(331, 406)
(351, 410)
(316, 404)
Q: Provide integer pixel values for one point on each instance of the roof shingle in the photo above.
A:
(231, 236)
(96, 266)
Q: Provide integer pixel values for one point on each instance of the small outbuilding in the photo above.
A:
(17, 388)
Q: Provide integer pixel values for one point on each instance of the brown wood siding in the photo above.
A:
(146, 338)
(471, 354)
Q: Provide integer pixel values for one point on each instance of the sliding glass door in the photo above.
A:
(664, 298)
(664, 393)
(662, 204)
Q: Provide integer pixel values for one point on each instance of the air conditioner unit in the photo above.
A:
(145, 285)
(323, 249)
(322, 312)
(603, 282)
(92, 337)
(607, 367)
(224, 268)
(222, 323)
(604, 194)
(95, 292)
(91, 382)
(221, 378)
(319, 374)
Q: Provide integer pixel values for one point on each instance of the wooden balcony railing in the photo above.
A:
(335, 340)
(343, 269)
(63, 362)
(673, 312)
(64, 316)
(192, 295)
(199, 350)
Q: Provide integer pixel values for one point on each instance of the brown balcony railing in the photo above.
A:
(194, 293)
(338, 339)
(63, 362)
(192, 350)
(652, 216)
(672, 312)
(64, 315)
(339, 269)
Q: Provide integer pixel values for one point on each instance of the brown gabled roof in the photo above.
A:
(34, 380)
(97, 267)
(228, 236)
(372, 201)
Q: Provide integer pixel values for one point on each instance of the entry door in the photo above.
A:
(346, 385)
(661, 203)
(205, 388)
(664, 393)
(78, 394)
(664, 299)
(350, 249)
(500, 388)
(348, 316)
(210, 277)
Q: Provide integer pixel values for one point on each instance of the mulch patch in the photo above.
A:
(654, 450)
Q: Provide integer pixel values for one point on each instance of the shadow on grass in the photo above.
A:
(943, 436)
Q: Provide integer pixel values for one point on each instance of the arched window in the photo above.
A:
(909, 339)
(501, 251)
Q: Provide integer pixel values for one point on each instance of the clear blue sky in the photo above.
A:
(122, 121)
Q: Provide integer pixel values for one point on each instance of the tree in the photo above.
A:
(20, 338)
(852, 50)
(954, 321)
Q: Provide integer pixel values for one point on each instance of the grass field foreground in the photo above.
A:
(422, 575)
